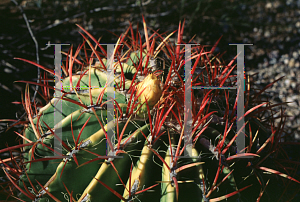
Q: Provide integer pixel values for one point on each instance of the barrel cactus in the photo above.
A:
(144, 158)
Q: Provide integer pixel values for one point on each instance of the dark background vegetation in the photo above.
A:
(273, 27)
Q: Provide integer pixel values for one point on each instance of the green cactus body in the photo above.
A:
(108, 175)
(47, 113)
(144, 174)
(167, 187)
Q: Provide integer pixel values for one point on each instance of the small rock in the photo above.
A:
(274, 54)
(273, 61)
(286, 61)
(292, 73)
(268, 5)
(290, 114)
(291, 103)
(288, 2)
(287, 82)
(292, 63)
(267, 34)
(260, 52)
(278, 76)
(295, 55)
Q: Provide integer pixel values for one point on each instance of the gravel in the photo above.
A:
(276, 39)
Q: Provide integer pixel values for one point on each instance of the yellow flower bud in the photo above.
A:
(152, 91)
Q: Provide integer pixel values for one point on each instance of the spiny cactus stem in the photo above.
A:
(85, 143)
(135, 187)
(112, 155)
(126, 141)
(138, 174)
(152, 64)
(169, 192)
(134, 117)
(71, 155)
(173, 175)
(102, 106)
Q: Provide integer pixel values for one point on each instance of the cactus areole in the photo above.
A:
(147, 159)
